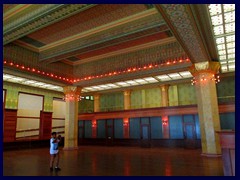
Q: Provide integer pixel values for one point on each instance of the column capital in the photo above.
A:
(212, 67)
(72, 92)
(127, 92)
(96, 96)
(164, 87)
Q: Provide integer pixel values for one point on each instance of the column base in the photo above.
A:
(70, 148)
(211, 155)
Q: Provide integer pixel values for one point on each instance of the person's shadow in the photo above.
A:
(54, 173)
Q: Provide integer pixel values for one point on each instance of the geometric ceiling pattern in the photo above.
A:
(92, 45)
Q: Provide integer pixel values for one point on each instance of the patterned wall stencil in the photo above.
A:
(153, 97)
(136, 99)
(186, 94)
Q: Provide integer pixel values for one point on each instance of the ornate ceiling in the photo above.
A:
(92, 44)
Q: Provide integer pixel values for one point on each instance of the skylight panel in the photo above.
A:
(7, 76)
(231, 56)
(174, 76)
(218, 30)
(220, 40)
(150, 79)
(217, 20)
(230, 38)
(229, 17)
(185, 74)
(131, 82)
(221, 46)
(231, 50)
(215, 9)
(229, 28)
(112, 85)
(163, 78)
(141, 81)
(229, 7)
(122, 84)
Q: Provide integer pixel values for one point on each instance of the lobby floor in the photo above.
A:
(113, 161)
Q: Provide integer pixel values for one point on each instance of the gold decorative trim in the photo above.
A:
(15, 10)
(26, 45)
(76, 90)
(204, 67)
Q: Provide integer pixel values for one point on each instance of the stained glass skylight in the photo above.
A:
(223, 22)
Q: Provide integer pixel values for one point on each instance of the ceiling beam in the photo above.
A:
(181, 21)
(39, 18)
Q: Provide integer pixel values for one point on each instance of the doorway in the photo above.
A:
(109, 132)
(145, 135)
(189, 135)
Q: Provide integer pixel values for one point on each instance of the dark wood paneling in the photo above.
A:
(10, 123)
(138, 142)
(45, 125)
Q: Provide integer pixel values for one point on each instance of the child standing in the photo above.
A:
(54, 152)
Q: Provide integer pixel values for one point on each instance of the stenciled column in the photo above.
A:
(72, 96)
(127, 99)
(205, 84)
(164, 93)
(96, 103)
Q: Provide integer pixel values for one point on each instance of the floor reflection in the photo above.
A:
(113, 161)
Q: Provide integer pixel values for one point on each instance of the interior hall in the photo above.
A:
(132, 89)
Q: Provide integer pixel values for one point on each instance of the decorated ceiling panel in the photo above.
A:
(132, 29)
(92, 18)
(85, 44)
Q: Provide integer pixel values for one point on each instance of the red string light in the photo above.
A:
(128, 70)
(214, 77)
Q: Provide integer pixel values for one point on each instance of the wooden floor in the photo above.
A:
(113, 161)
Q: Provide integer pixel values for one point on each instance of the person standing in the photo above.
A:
(54, 152)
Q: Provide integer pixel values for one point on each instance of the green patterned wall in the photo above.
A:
(86, 106)
(186, 94)
(11, 99)
(111, 101)
(226, 89)
(153, 97)
(136, 99)
(181, 94)
(12, 91)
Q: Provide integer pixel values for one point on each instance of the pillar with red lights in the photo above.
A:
(207, 103)
(72, 96)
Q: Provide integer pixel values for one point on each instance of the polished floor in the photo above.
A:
(113, 161)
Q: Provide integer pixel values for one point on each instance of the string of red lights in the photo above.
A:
(128, 70)
(214, 77)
